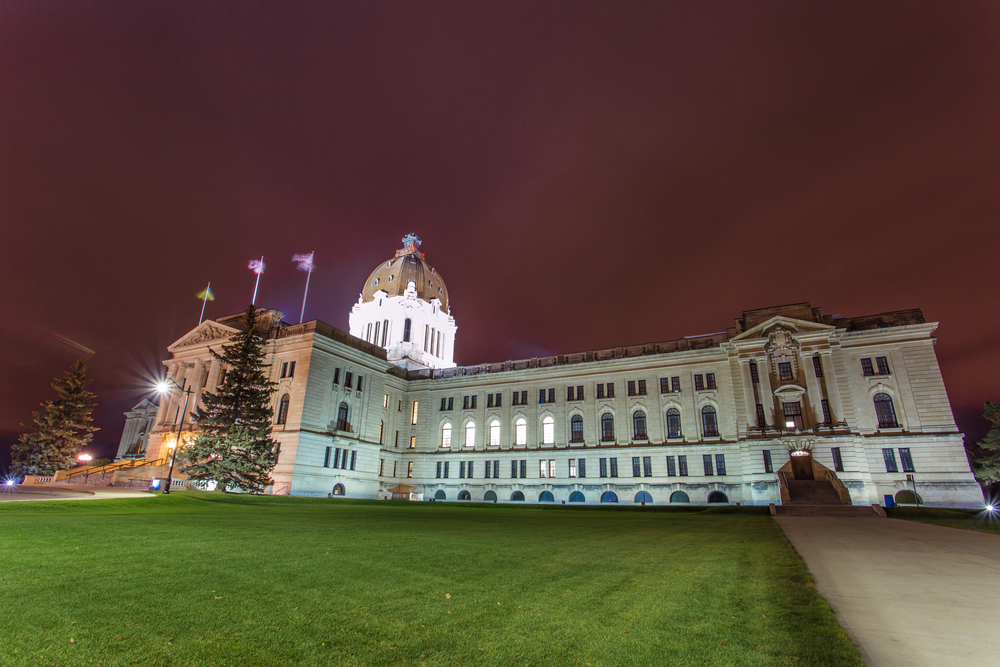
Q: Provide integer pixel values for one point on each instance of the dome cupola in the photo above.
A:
(409, 265)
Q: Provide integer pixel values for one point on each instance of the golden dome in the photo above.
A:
(393, 276)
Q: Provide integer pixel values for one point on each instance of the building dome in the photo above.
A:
(393, 276)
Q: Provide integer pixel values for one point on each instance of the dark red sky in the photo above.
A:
(583, 175)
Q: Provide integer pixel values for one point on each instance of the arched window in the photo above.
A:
(283, 409)
(342, 424)
(717, 497)
(440, 495)
(709, 423)
(885, 411)
(470, 434)
(609, 497)
(546, 497)
(548, 431)
(464, 495)
(406, 330)
(673, 423)
(446, 435)
(643, 497)
(639, 425)
(517, 495)
(607, 427)
(490, 496)
(577, 497)
(494, 433)
(576, 429)
(338, 490)
(679, 497)
(521, 432)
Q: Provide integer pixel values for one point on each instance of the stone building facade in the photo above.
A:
(727, 417)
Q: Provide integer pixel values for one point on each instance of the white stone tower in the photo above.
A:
(404, 308)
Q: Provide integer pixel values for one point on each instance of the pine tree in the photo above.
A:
(987, 459)
(60, 429)
(235, 447)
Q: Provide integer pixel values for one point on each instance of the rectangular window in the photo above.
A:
(866, 368)
(409, 469)
(451, 402)
(446, 469)
(572, 468)
(284, 369)
(524, 397)
(827, 417)
(514, 400)
(474, 399)
(710, 380)
(498, 400)
(336, 376)
(699, 382)
(461, 469)
(413, 442)
(611, 390)
(513, 469)
(647, 466)
(817, 367)
(381, 466)
(635, 466)
(838, 461)
(785, 371)
(720, 464)
(761, 423)
(359, 382)
(631, 387)
(348, 379)
(354, 458)
(336, 457)
(675, 384)
(496, 469)
(671, 467)
(469, 470)
(486, 473)
(381, 428)
(664, 385)
(603, 465)
(326, 460)
(754, 377)
(552, 468)
(489, 400)
(682, 465)
(890, 460)
(906, 459)
(291, 370)
(397, 440)
(881, 362)
(569, 394)
(413, 413)
(552, 395)
(444, 404)
(706, 459)
(465, 402)
(385, 402)
(579, 392)
(541, 395)
(614, 467)
(543, 467)
(642, 387)
(395, 464)
(600, 390)
(438, 473)
(767, 461)
(582, 467)
(399, 405)
(793, 415)
(524, 468)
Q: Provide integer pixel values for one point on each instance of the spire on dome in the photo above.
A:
(411, 240)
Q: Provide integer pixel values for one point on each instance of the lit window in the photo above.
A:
(470, 434)
(385, 401)
(548, 431)
(413, 442)
(409, 469)
(572, 467)
(413, 413)
(543, 468)
(521, 432)
(446, 435)
(793, 415)
(494, 433)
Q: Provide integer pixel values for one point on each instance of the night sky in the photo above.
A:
(583, 175)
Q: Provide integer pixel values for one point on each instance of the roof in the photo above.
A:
(393, 276)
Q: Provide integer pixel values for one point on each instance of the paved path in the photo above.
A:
(908, 593)
(66, 492)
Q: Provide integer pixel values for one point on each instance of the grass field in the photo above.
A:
(214, 579)
(967, 519)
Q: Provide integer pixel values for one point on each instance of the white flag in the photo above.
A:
(305, 262)
(256, 265)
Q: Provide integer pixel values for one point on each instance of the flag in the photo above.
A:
(305, 262)
(206, 294)
(256, 265)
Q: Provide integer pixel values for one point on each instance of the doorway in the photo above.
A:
(802, 465)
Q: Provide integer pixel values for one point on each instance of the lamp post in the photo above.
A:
(162, 387)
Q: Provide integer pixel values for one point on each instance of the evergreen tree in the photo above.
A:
(60, 429)
(987, 459)
(235, 447)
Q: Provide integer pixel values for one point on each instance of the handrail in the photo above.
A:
(833, 479)
(119, 465)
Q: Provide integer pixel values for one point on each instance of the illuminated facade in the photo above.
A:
(859, 401)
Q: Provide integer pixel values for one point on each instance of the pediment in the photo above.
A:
(204, 333)
(795, 326)
(145, 404)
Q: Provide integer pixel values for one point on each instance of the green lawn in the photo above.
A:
(220, 579)
(967, 519)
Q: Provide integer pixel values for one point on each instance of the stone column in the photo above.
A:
(766, 395)
(176, 395)
(751, 403)
(165, 398)
(832, 386)
(213, 375)
(199, 371)
(813, 390)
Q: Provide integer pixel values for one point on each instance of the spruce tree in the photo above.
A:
(235, 447)
(987, 459)
(60, 429)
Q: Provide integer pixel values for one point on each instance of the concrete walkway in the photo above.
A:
(908, 593)
(66, 492)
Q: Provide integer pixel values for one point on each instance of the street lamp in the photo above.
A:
(162, 387)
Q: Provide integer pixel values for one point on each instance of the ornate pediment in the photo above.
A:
(205, 333)
(764, 329)
(782, 348)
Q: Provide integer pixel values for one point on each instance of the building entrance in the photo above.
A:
(802, 465)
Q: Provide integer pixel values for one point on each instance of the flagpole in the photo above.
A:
(253, 302)
(308, 275)
(204, 301)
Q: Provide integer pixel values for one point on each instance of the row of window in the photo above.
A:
(395, 464)
(642, 466)
(881, 362)
(348, 380)
(380, 327)
(575, 497)
(340, 458)
(904, 458)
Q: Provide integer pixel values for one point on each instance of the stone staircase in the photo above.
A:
(820, 498)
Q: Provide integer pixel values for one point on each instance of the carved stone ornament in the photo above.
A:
(781, 346)
(799, 445)
(203, 335)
